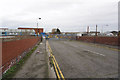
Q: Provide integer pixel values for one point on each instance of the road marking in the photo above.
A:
(100, 46)
(57, 69)
(106, 47)
(94, 52)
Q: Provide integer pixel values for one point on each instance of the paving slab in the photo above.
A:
(36, 66)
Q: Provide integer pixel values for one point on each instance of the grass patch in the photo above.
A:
(12, 71)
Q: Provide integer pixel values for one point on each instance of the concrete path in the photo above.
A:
(36, 66)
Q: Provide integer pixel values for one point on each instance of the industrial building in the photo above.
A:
(13, 32)
(37, 30)
(20, 31)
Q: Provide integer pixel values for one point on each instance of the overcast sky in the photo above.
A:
(68, 15)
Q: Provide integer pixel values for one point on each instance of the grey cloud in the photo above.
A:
(68, 15)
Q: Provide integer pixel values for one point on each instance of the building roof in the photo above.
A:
(29, 28)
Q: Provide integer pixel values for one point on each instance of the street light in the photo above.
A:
(37, 26)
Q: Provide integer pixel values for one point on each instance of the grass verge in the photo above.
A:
(12, 71)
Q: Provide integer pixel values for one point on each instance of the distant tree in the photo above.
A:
(58, 31)
(114, 33)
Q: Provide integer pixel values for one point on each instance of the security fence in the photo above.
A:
(63, 36)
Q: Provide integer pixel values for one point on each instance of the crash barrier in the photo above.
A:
(55, 65)
(13, 51)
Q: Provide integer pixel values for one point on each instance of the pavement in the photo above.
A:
(36, 66)
(83, 60)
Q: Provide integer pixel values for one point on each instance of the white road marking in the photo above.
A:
(94, 52)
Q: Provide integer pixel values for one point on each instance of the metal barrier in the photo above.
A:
(55, 64)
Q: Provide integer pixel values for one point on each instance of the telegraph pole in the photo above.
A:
(37, 28)
(96, 30)
(88, 30)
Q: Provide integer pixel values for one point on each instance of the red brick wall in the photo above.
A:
(101, 40)
(87, 39)
(107, 40)
(12, 49)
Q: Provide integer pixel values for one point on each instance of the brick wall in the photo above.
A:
(102, 40)
(12, 49)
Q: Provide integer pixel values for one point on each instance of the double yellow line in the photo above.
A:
(55, 65)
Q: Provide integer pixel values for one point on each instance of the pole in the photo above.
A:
(37, 26)
(95, 35)
(87, 30)
(96, 30)
(45, 41)
(102, 29)
(37, 29)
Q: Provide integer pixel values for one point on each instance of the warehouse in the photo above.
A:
(15, 32)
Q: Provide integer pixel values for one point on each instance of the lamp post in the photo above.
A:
(37, 26)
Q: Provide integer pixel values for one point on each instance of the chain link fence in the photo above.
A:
(63, 36)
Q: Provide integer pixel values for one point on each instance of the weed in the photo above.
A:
(11, 72)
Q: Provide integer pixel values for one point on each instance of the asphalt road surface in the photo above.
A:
(83, 60)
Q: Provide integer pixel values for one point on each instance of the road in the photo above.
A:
(83, 60)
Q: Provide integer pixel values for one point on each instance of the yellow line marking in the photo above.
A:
(54, 61)
(58, 68)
